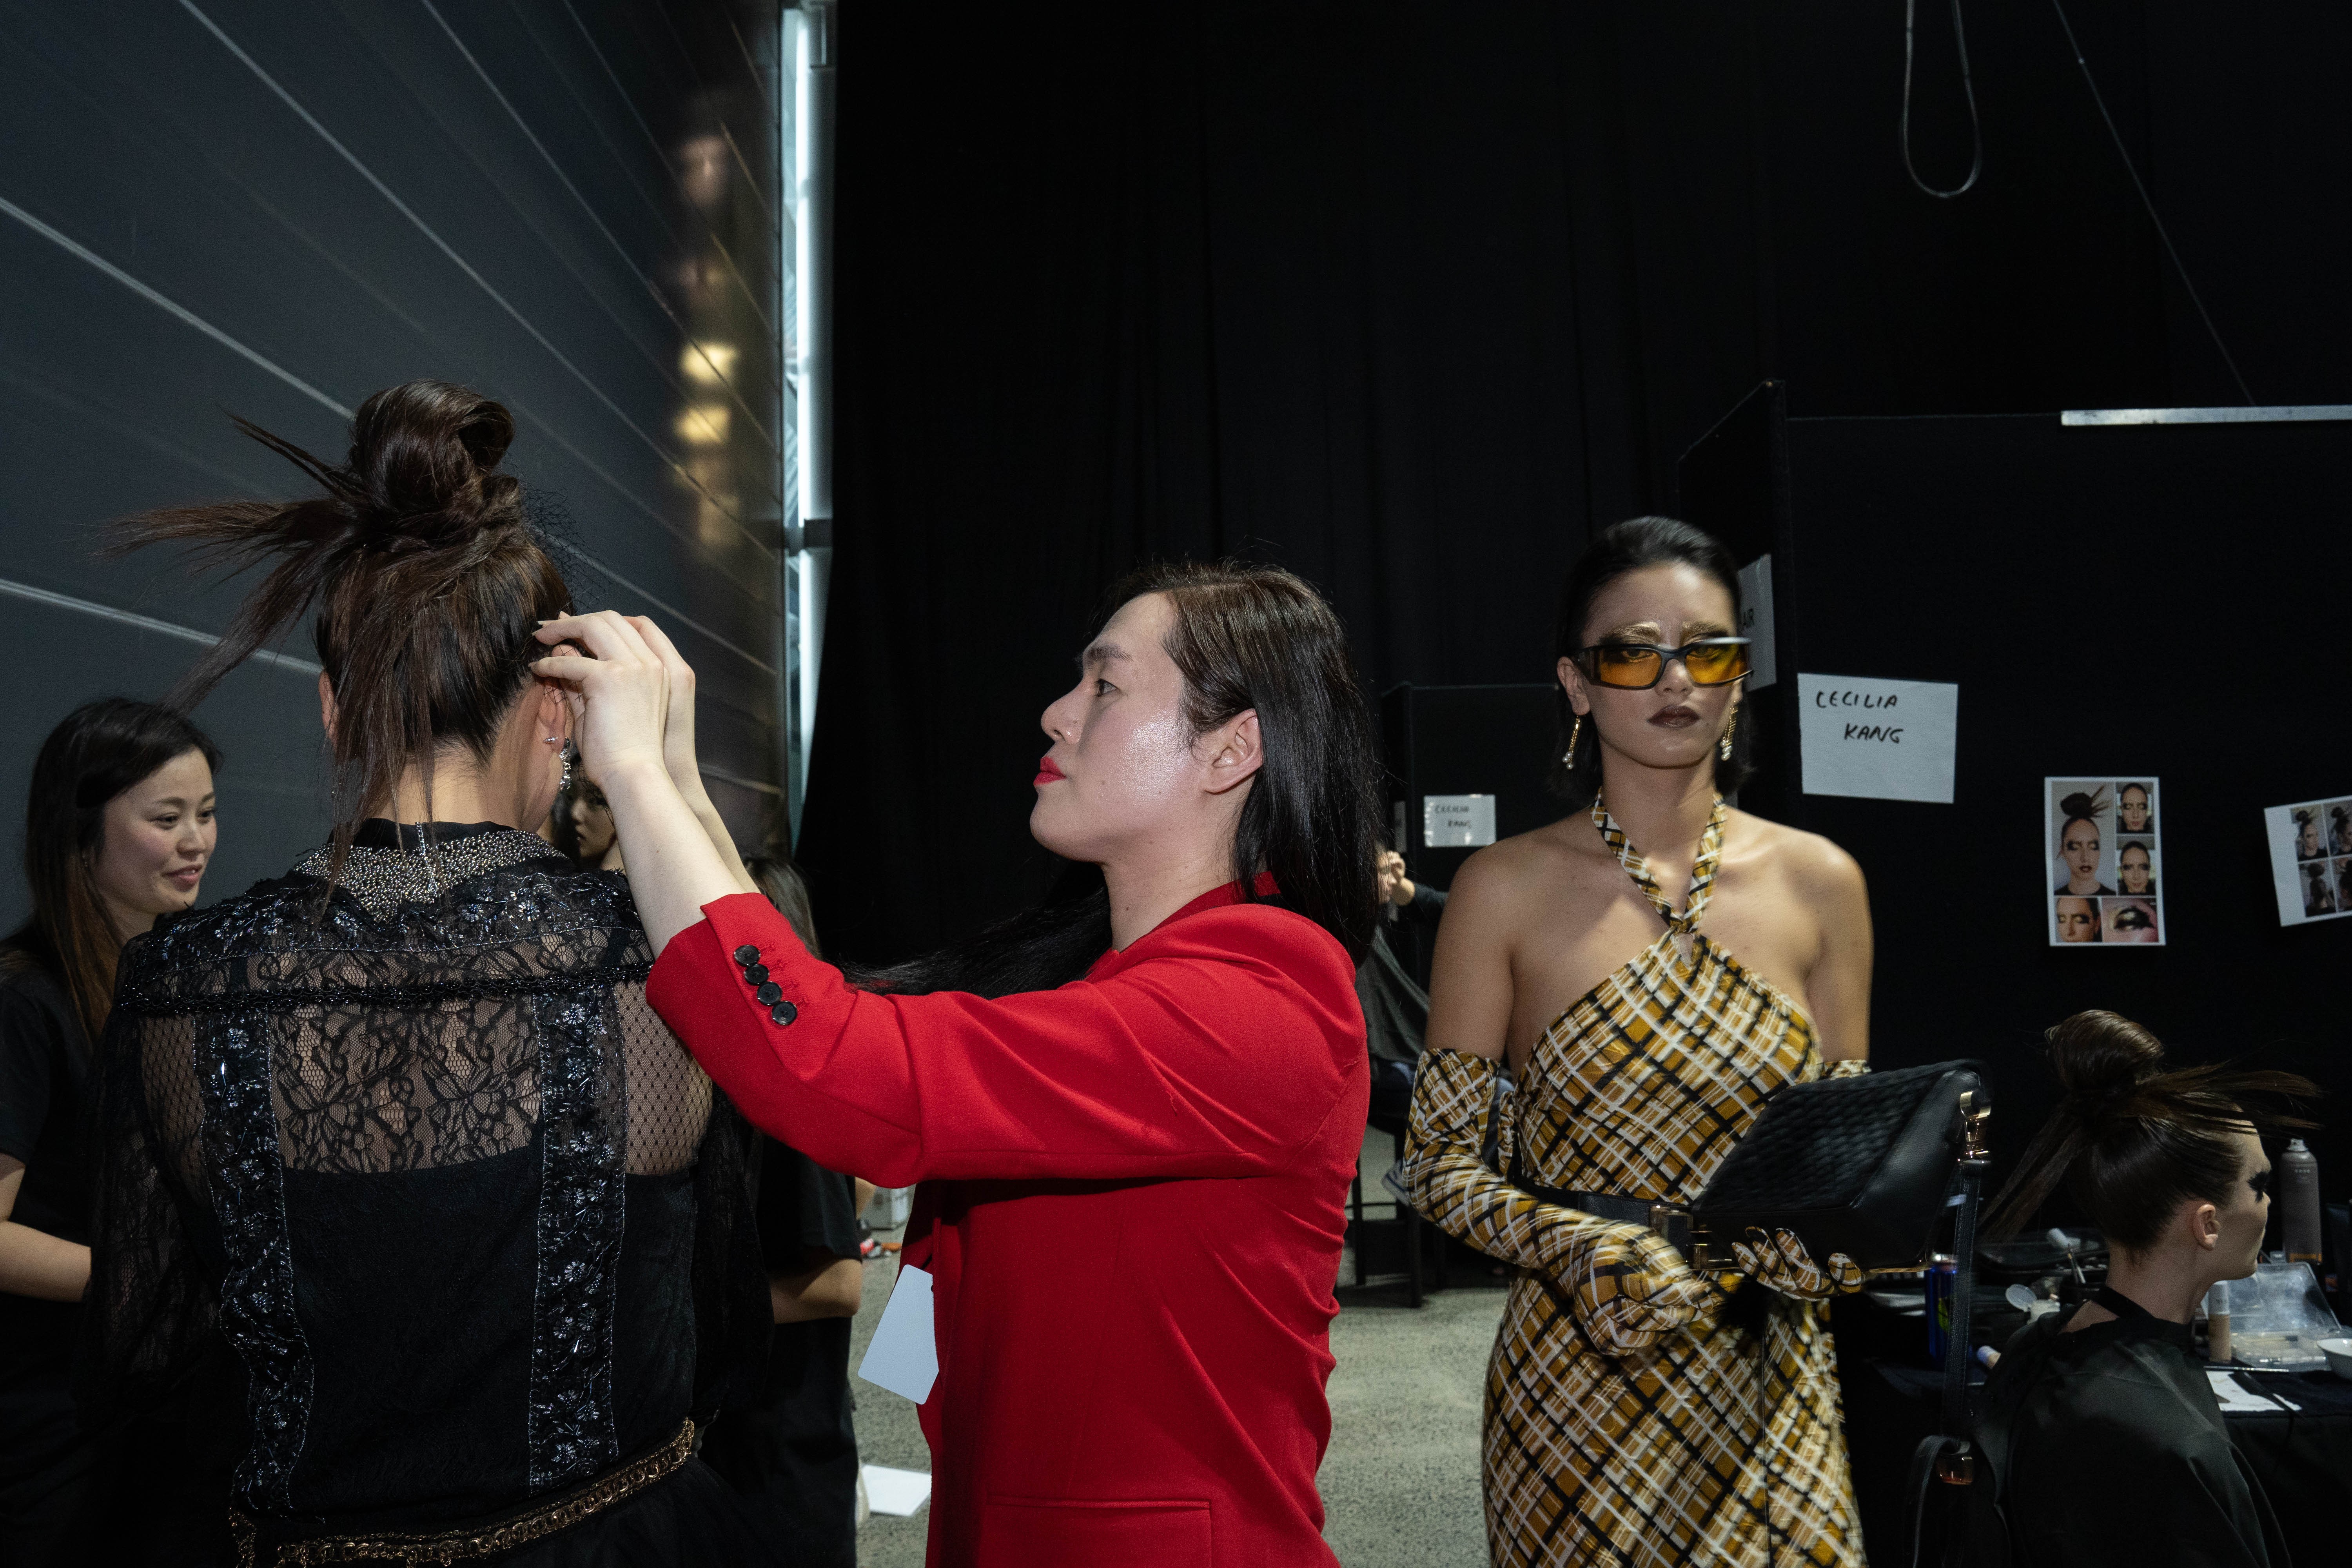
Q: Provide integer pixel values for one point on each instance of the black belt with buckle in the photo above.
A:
(1668, 1220)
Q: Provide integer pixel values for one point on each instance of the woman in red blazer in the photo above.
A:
(1133, 1181)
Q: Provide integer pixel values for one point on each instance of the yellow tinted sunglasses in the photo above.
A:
(1637, 667)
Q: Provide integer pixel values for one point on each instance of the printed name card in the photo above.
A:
(1457, 821)
(1883, 739)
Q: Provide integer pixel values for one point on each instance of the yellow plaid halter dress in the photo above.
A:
(1607, 1441)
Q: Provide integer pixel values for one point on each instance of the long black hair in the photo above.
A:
(96, 751)
(1624, 547)
(1245, 636)
(2134, 1138)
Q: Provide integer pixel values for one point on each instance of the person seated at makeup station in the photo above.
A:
(2101, 1435)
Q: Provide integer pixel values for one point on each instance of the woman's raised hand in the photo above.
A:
(621, 694)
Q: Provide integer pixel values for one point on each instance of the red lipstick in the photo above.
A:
(1046, 771)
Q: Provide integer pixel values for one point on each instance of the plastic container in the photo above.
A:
(2299, 1209)
(2277, 1318)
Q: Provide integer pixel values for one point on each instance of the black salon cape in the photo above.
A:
(2112, 1453)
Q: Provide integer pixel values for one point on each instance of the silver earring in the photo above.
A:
(565, 786)
(1575, 733)
(1724, 751)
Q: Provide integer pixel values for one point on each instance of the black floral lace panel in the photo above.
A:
(584, 1121)
(248, 1180)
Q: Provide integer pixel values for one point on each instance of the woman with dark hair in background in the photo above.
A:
(402, 1122)
(2101, 1433)
(791, 1447)
(118, 827)
(1134, 1182)
(595, 842)
(1629, 1417)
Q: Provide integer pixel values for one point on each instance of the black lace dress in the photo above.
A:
(477, 1229)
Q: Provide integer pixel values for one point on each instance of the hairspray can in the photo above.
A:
(2299, 1205)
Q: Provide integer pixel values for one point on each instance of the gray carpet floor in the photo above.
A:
(1400, 1479)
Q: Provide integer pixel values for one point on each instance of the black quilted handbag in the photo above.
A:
(1866, 1166)
(1861, 1165)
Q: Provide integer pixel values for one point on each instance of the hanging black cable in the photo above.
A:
(2149, 202)
(1967, 87)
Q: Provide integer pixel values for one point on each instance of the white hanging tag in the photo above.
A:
(904, 1355)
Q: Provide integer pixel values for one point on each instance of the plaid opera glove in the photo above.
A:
(1626, 1287)
(1779, 1262)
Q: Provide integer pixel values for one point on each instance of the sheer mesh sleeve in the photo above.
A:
(150, 1312)
(1624, 1284)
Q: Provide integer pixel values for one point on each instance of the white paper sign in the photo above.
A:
(1755, 622)
(904, 1356)
(1457, 821)
(1884, 740)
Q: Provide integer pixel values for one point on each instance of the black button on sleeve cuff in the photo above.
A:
(747, 953)
(783, 1013)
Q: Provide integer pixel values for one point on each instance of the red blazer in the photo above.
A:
(1133, 1201)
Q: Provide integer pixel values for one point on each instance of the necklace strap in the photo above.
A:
(1703, 868)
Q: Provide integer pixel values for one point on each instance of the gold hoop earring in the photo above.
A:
(1575, 732)
(1724, 751)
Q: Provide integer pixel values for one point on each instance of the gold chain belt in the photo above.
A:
(462, 1545)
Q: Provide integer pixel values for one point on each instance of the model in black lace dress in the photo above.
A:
(399, 1129)
(475, 1224)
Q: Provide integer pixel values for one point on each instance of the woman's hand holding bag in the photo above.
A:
(1780, 1263)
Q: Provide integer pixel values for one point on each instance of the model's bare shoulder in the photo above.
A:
(1823, 876)
(1526, 867)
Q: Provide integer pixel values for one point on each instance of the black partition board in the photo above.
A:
(2110, 600)
(1468, 740)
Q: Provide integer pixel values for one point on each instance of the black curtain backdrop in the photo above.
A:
(1411, 300)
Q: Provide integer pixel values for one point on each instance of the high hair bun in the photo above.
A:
(2088, 807)
(2101, 1057)
(422, 472)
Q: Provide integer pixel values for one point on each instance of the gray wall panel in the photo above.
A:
(272, 210)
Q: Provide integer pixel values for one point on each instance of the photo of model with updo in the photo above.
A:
(2101, 838)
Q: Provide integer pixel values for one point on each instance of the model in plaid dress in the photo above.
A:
(1628, 1421)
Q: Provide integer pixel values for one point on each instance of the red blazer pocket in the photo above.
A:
(1063, 1532)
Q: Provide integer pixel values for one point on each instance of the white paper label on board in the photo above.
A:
(1457, 821)
(1883, 739)
(1756, 621)
(904, 1356)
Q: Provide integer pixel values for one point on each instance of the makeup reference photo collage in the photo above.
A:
(2105, 867)
(2310, 858)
